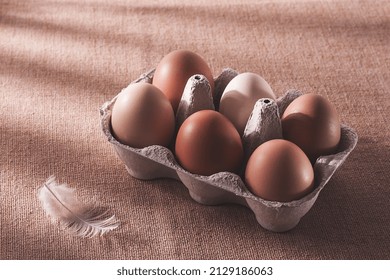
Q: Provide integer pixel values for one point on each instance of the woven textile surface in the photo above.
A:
(60, 60)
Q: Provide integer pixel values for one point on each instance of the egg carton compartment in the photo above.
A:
(156, 161)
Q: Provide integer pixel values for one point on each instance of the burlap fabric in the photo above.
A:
(61, 60)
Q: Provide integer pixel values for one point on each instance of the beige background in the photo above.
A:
(61, 60)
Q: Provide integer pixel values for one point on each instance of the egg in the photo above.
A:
(174, 70)
(142, 116)
(312, 123)
(278, 170)
(240, 96)
(208, 143)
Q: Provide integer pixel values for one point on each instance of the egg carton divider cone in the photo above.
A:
(155, 161)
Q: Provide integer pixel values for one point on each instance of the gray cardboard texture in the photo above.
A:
(264, 124)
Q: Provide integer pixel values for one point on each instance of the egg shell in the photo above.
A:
(142, 116)
(174, 70)
(279, 170)
(240, 96)
(312, 123)
(159, 162)
(207, 143)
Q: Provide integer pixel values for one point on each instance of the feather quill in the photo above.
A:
(61, 204)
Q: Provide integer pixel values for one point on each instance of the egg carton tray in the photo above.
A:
(264, 124)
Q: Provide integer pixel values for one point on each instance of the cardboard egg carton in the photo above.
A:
(224, 187)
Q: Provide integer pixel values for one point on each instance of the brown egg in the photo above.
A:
(207, 143)
(278, 170)
(312, 122)
(174, 70)
(142, 116)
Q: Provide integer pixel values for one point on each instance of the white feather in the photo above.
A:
(61, 204)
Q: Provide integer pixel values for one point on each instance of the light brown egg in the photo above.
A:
(142, 116)
(174, 70)
(278, 170)
(312, 123)
(208, 143)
